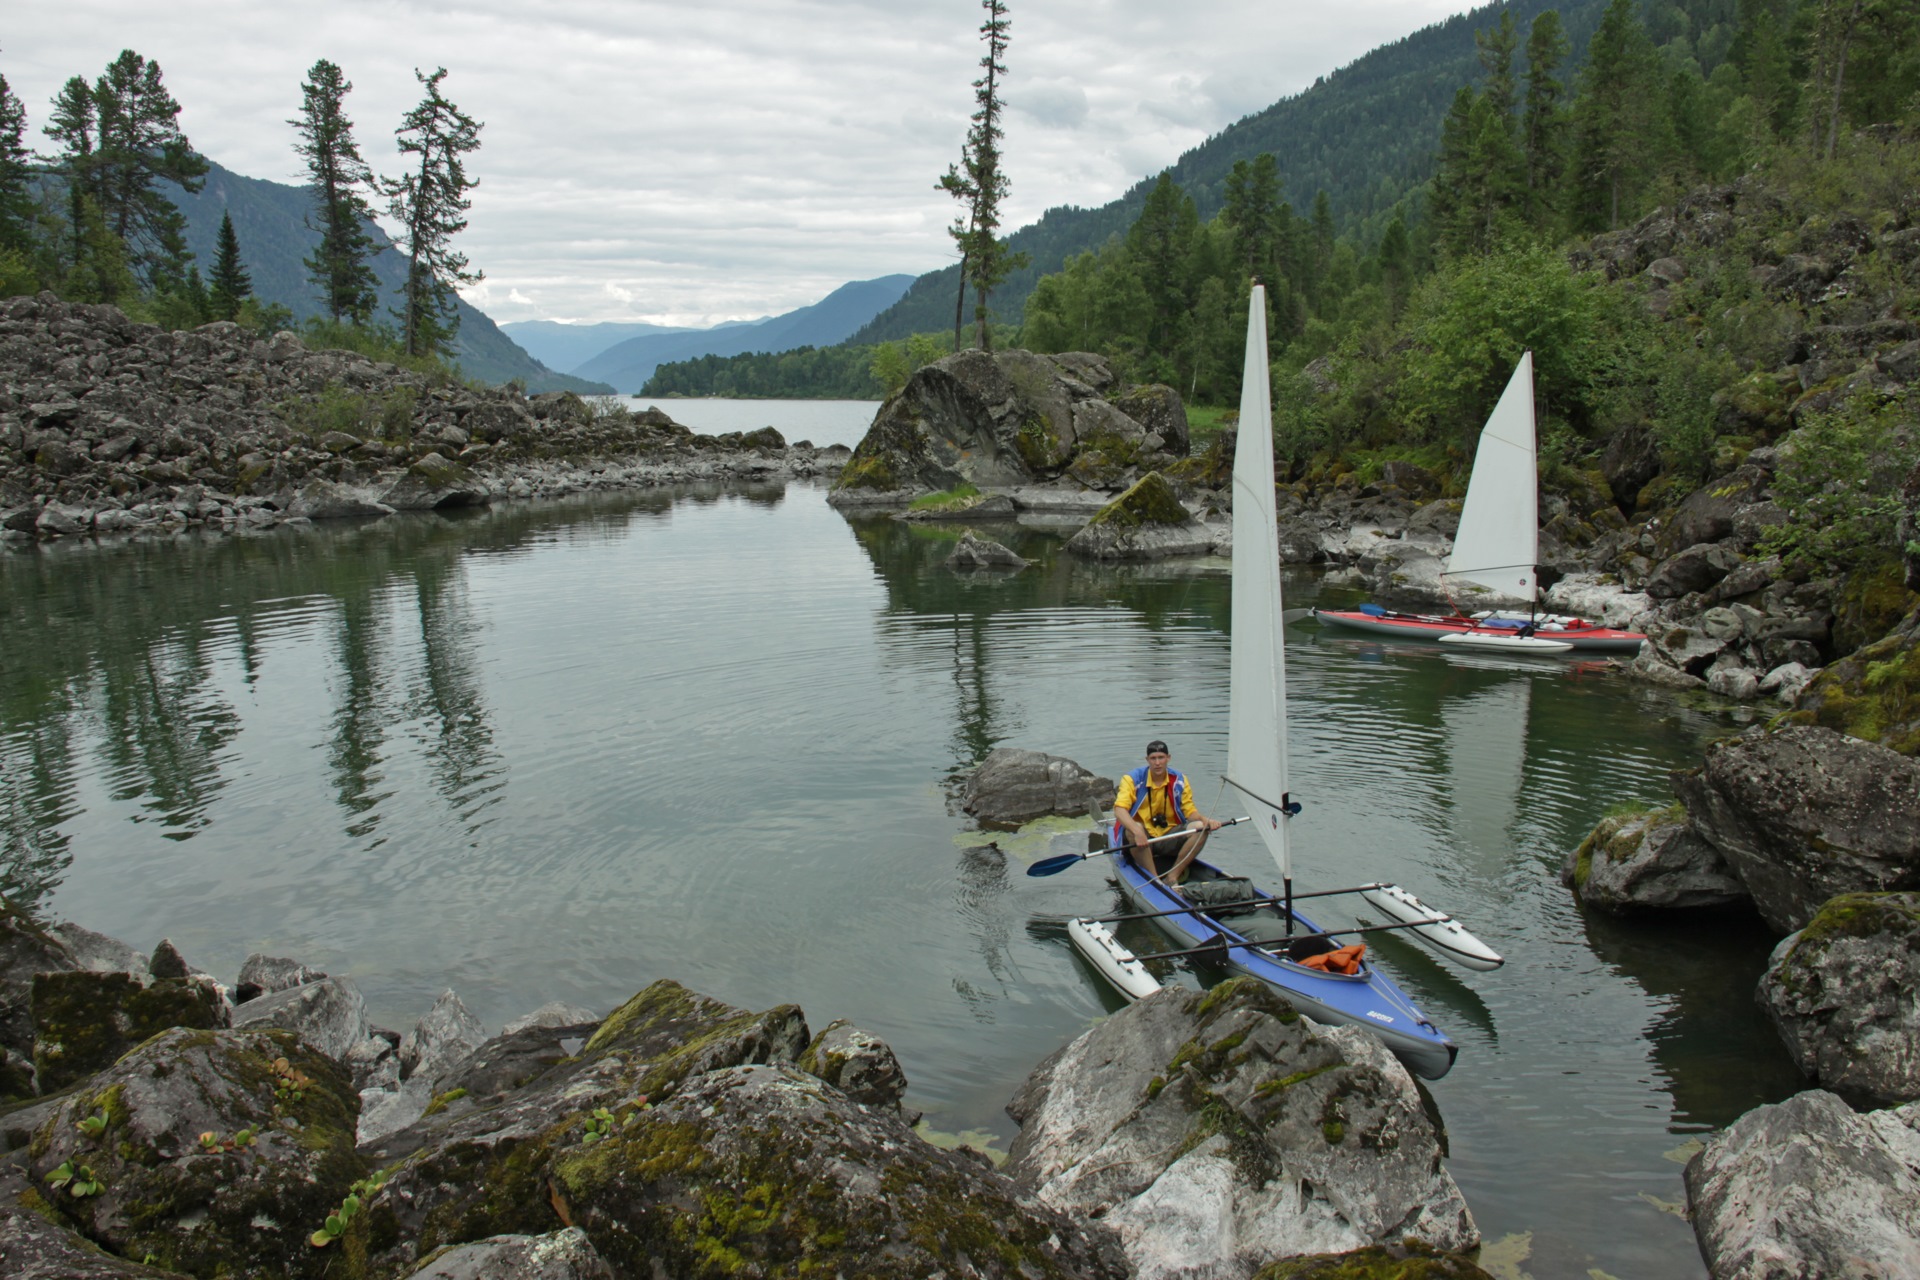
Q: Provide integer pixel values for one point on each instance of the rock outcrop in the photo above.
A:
(1808, 1188)
(1652, 860)
(1147, 522)
(1012, 787)
(1844, 993)
(1804, 813)
(1009, 418)
(1218, 1131)
(975, 552)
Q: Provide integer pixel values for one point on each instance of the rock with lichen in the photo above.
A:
(1809, 1188)
(1844, 993)
(1872, 693)
(1804, 813)
(1218, 1131)
(213, 1153)
(1147, 522)
(566, 1254)
(1013, 786)
(1650, 860)
(36, 1245)
(860, 1065)
(1408, 1260)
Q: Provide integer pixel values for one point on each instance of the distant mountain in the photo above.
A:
(629, 364)
(568, 346)
(270, 220)
(1366, 135)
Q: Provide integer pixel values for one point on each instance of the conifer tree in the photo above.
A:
(978, 179)
(231, 284)
(1543, 117)
(74, 124)
(430, 204)
(1615, 119)
(337, 176)
(16, 198)
(1252, 212)
(139, 146)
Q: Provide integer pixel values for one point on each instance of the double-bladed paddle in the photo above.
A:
(1059, 863)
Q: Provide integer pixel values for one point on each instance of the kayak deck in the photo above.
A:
(1573, 632)
(1255, 943)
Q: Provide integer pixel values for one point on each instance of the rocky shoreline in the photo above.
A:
(108, 427)
(162, 1122)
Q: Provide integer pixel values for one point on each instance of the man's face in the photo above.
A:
(1157, 762)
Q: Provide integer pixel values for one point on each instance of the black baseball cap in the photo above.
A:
(1157, 745)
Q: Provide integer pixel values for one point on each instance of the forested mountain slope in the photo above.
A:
(1365, 134)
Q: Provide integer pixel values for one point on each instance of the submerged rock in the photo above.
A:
(974, 552)
(1012, 787)
(1218, 1131)
(1650, 860)
(216, 1153)
(1808, 1188)
(1804, 813)
(1844, 994)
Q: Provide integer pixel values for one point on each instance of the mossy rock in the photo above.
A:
(764, 1170)
(1151, 501)
(219, 1209)
(1861, 915)
(1871, 602)
(1410, 1260)
(84, 1020)
(1872, 694)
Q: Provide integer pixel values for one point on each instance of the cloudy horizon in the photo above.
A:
(652, 162)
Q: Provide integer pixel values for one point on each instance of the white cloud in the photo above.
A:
(647, 159)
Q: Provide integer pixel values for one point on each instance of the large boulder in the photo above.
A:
(1217, 1131)
(1845, 995)
(215, 1153)
(1002, 419)
(1651, 860)
(1808, 1188)
(1873, 693)
(26, 949)
(434, 481)
(1012, 787)
(1804, 813)
(858, 1064)
(975, 552)
(560, 1255)
(1147, 522)
(330, 1015)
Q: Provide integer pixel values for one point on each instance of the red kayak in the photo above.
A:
(1577, 632)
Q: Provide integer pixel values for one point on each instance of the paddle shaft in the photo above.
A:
(1222, 944)
(1047, 866)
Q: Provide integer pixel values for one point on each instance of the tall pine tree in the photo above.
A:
(1543, 116)
(337, 176)
(430, 204)
(16, 195)
(1616, 119)
(139, 146)
(231, 283)
(985, 260)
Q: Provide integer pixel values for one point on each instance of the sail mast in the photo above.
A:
(1257, 724)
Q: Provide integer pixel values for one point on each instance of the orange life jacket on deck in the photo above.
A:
(1340, 960)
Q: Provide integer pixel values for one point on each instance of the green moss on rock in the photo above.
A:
(1151, 501)
(1872, 694)
(84, 1020)
(1408, 1260)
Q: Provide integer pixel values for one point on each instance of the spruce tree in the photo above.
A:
(1252, 212)
(337, 176)
(979, 180)
(139, 146)
(1615, 119)
(231, 284)
(430, 204)
(16, 195)
(74, 124)
(1543, 118)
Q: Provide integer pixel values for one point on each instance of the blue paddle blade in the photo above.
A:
(1373, 611)
(1052, 866)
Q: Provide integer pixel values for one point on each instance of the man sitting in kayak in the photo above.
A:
(1152, 801)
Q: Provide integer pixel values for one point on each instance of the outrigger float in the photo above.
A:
(1227, 920)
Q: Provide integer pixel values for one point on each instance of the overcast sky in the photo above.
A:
(692, 163)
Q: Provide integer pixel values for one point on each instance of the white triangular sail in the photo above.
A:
(1499, 539)
(1257, 723)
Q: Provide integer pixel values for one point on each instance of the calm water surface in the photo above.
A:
(820, 422)
(563, 750)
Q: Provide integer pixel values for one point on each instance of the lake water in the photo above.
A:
(820, 422)
(563, 750)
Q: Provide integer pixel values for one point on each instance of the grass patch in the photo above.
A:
(961, 495)
(1204, 422)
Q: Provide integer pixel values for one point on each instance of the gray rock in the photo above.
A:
(375, 1064)
(1695, 569)
(1650, 861)
(26, 949)
(246, 1211)
(167, 962)
(330, 1015)
(326, 500)
(1804, 813)
(1722, 624)
(1808, 1188)
(974, 552)
(83, 1021)
(554, 1013)
(1647, 665)
(387, 1111)
(434, 481)
(439, 1040)
(561, 1255)
(262, 975)
(858, 1064)
(1685, 648)
(1786, 681)
(1735, 682)
(63, 520)
(1844, 994)
(32, 1248)
(1319, 1140)
(1012, 787)
(1147, 522)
